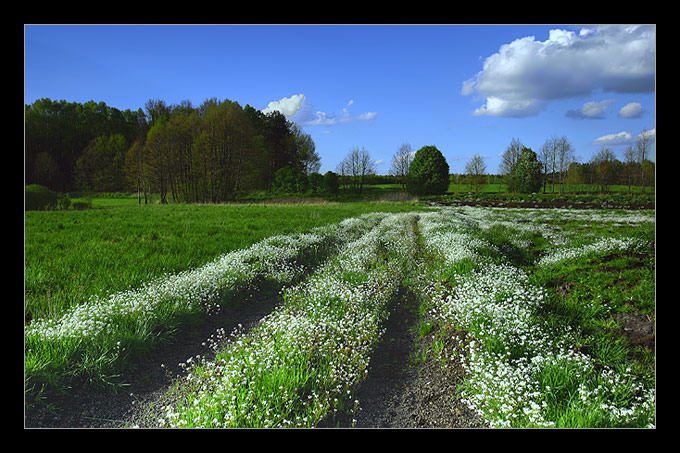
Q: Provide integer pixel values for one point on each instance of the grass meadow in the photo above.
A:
(551, 310)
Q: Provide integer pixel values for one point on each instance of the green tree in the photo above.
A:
(101, 166)
(290, 180)
(428, 173)
(605, 168)
(331, 183)
(526, 176)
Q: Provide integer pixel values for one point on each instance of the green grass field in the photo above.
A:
(72, 255)
(552, 310)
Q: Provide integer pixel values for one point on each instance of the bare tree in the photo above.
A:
(476, 168)
(401, 161)
(644, 144)
(510, 157)
(356, 166)
(630, 163)
(564, 156)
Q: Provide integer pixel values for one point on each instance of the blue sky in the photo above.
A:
(467, 89)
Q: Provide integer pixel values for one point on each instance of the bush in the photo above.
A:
(63, 202)
(428, 173)
(81, 205)
(39, 198)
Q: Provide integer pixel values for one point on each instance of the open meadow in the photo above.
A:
(546, 315)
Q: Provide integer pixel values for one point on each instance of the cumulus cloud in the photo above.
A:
(632, 110)
(524, 75)
(287, 106)
(624, 138)
(298, 109)
(590, 110)
(614, 139)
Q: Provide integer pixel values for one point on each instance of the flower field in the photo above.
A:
(529, 299)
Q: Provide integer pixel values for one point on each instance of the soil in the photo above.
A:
(147, 382)
(403, 392)
(398, 392)
(638, 328)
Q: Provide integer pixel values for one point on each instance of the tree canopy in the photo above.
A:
(428, 173)
(526, 175)
(207, 153)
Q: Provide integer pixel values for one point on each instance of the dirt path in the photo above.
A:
(402, 391)
(86, 406)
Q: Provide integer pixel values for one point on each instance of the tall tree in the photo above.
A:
(644, 145)
(476, 168)
(401, 162)
(135, 169)
(604, 162)
(101, 166)
(509, 159)
(547, 157)
(526, 177)
(356, 166)
(305, 150)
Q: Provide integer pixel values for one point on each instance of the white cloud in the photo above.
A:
(298, 109)
(526, 74)
(590, 110)
(651, 134)
(632, 110)
(367, 116)
(344, 116)
(287, 106)
(623, 138)
(468, 87)
(614, 139)
(496, 106)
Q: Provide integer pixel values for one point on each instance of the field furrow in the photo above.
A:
(524, 318)
(96, 337)
(304, 361)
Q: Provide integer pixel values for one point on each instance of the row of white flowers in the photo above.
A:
(161, 302)
(511, 350)
(303, 361)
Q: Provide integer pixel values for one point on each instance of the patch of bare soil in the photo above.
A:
(402, 391)
(638, 328)
(147, 381)
(399, 392)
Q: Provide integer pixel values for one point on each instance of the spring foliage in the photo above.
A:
(428, 173)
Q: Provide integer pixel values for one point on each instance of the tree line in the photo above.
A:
(209, 153)
(526, 171)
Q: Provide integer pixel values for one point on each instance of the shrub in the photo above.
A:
(81, 205)
(428, 173)
(38, 198)
(63, 202)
